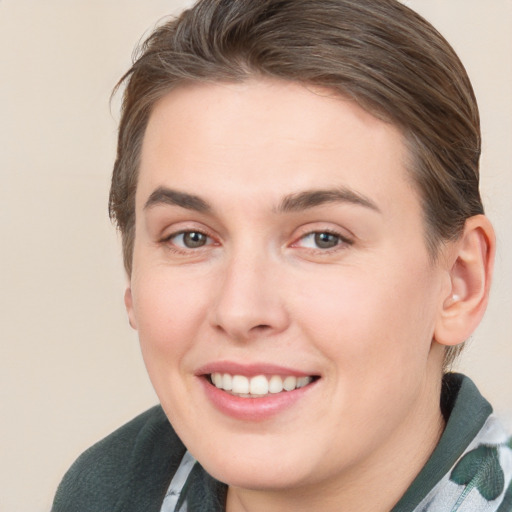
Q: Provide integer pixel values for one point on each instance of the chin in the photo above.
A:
(259, 477)
(267, 466)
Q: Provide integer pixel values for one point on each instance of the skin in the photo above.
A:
(362, 314)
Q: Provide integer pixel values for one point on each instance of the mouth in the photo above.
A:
(255, 392)
(258, 386)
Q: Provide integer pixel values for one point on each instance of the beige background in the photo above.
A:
(70, 366)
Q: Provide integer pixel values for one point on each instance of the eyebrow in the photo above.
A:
(163, 195)
(311, 198)
(290, 203)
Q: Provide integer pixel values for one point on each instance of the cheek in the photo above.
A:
(168, 311)
(170, 315)
(362, 319)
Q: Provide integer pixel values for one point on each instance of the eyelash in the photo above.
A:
(185, 250)
(341, 243)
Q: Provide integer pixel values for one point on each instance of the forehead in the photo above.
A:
(268, 131)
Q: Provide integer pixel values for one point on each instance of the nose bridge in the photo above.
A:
(249, 300)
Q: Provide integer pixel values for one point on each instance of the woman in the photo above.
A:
(297, 191)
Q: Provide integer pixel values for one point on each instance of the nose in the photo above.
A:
(249, 300)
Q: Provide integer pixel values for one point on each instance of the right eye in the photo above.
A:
(321, 240)
(189, 239)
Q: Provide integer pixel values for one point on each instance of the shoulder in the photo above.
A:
(133, 465)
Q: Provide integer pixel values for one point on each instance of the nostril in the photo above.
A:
(260, 328)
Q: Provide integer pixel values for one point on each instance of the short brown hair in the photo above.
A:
(379, 53)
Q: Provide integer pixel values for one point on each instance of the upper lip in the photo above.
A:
(250, 370)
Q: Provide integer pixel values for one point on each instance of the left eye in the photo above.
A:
(190, 239)
(321, 240)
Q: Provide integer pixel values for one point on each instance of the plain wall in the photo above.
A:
(71, 371)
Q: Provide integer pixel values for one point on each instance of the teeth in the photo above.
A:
(290, 383)
(303, 381)
(257, 386)
(217, 379)
(240, 384)
(275, 384)
(227, 382)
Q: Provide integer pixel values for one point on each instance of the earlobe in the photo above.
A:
(128, 302)
(470, 271)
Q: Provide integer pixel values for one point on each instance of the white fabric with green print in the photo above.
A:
(481, 479)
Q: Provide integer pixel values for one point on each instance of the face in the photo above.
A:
(281, 286)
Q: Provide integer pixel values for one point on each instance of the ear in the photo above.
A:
(470, 266)
(128, 302)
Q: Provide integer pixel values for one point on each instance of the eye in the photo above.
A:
(322, 240)
(190, 239)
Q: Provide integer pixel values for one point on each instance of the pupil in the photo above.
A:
(194, 239)
(326, 240)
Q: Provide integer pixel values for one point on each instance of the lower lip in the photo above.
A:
(253, 409)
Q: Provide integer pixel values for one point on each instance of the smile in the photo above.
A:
(258, 386)
(255, 392)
